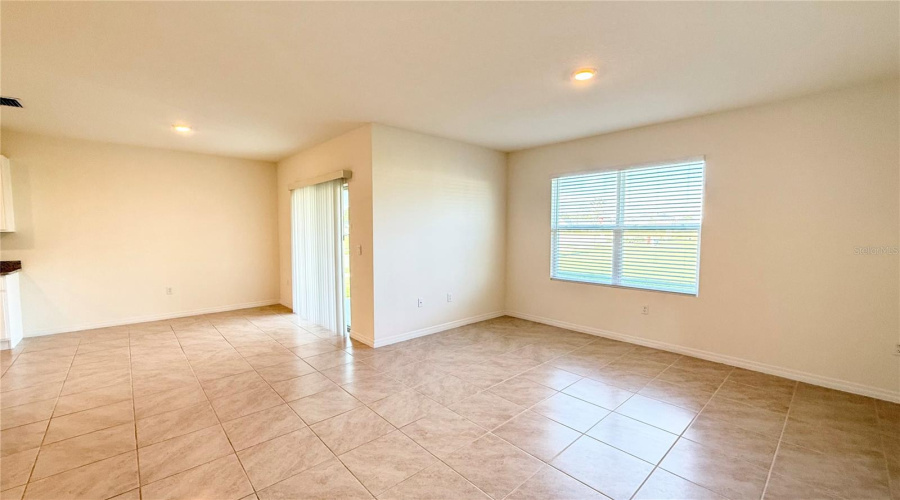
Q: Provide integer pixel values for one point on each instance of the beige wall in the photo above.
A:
(439, 227)
(791, 190)
(351, 151)
(103, 229)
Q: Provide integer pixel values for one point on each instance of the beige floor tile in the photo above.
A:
(262, 426)
(24, 437)
(662, 484)
(351, 429)
(103, 479)
(352, 372)
(612, 472)
(447, 390)
(443, 432)
(26, 414)
(368, 390)
(551, 376)
(324, 405)
(30, 394)
(151, 383)
(762, 380)
(570, 411)
(213, 369)
(733, 441)
(82, 450)
(233, 384)
(314, 349)
(715, 471)
(537, 435)
(327, 481)
(774, 398)
(437, 482)
(637, 438)
(487, 409)
(697, 379)
(329, 360)
(14, 493)
(667, 417)
(687, 396)
(405, 407)
(76, 424)
(551, 483)
(178, 454)
(834, 445)
(92, 399)
(271, 359)
(854, 476)
(493, 465)
(244, 403)
(174, 399)
(746, 417)
(175, 423)
(19, 378)
(15, 469)
(783, 488)
(134, 494)
(597, 393)
(415, 374)
(222, 479)
(285, 371)
(386, 461)
(91, 382)
(280, 458)
(522, 391)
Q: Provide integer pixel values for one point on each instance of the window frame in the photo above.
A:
(616, 260)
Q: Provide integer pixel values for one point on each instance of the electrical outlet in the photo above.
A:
(169, 290)
(449, 297)
(421, 302)
(645, 310)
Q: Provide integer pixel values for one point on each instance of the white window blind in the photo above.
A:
(636, 227)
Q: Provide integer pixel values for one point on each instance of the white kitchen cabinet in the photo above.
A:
(7, 216)
(11, 317)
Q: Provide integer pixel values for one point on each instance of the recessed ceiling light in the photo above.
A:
(584, 74)
(182, 129)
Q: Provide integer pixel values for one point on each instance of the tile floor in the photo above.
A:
(258, 404)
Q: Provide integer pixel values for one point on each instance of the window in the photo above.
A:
(635, 227)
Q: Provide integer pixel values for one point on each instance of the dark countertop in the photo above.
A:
(10, 266)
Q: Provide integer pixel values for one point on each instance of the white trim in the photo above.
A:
(832, 383)
(150, 317)
(361, 338)
(400, 337)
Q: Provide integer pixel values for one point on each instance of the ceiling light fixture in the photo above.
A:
(182, 129)
(584, 74)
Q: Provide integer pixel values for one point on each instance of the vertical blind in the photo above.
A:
(316, 254)
(635, 227)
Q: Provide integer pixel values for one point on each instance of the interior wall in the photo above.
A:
(439, 221)
(794, 191)
(350, 151)
(102, 230)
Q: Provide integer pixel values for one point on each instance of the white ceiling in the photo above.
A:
(262, 80)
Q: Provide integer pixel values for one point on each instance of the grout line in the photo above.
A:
(787, 417)
(681, 434)
(41, 446)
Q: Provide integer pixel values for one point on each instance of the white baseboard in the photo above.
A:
(150, 317)
(393, 339)
(831, 383)
(361, 338)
